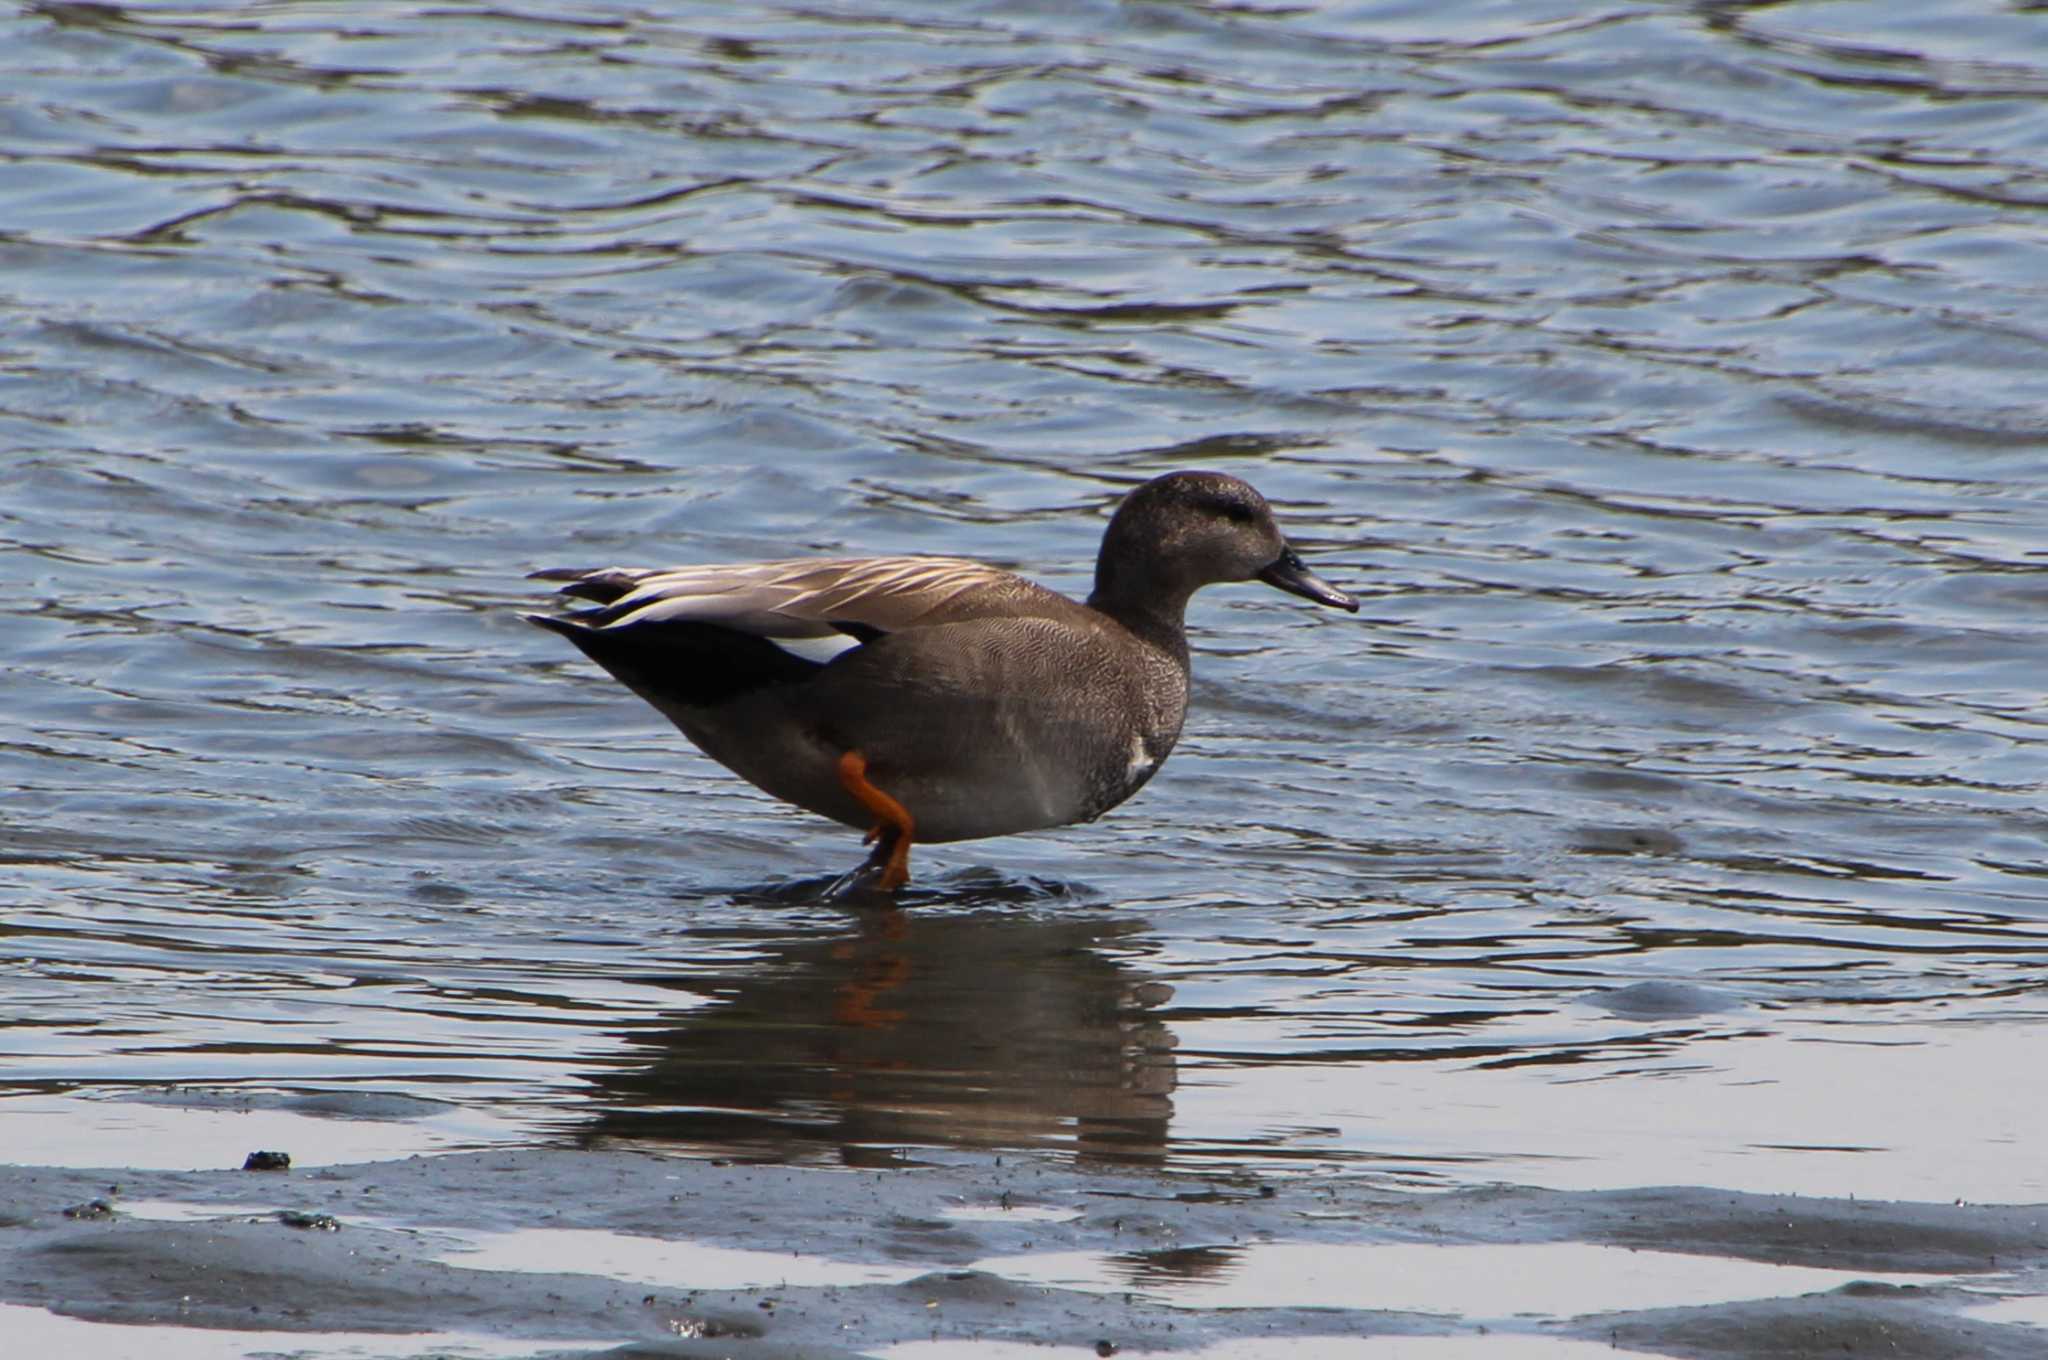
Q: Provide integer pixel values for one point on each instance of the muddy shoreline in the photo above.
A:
(581, 1252)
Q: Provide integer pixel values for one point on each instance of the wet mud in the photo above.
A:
(566, 1252)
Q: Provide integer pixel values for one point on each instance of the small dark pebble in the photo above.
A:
(267, 1161)
(1105, 1348)
(1267, 1192)
(301, 1218)
(92, 1208)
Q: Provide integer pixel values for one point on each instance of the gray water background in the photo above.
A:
(1670, 381)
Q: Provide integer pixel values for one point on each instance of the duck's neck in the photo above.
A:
(1154, 614)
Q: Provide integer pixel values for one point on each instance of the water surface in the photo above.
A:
(1669, 381)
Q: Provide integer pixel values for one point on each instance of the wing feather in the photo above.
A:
(811, 597)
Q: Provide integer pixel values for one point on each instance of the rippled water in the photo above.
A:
(1671, 382)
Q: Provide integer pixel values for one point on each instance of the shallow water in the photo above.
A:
(1670, 384)
(43, 1333)
(1557, 1280)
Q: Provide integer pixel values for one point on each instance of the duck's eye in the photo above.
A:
(1225, 507)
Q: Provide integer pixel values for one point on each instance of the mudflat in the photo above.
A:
(544, 1252)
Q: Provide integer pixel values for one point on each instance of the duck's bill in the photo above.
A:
(1290, 575)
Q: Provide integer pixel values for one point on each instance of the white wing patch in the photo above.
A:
(1141, 759)
(818, 649)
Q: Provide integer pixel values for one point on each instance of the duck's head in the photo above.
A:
(1185, 530)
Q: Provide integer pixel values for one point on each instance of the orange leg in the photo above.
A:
(893, 827)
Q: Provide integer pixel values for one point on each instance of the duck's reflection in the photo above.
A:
(983, 1028)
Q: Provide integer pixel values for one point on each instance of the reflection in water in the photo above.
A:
(987, 1029)
(1171, 1266)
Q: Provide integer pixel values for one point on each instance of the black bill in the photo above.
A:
(1290, 575)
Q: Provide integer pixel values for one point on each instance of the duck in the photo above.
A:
(926, 699)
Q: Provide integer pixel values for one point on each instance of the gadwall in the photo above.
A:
(931, 698)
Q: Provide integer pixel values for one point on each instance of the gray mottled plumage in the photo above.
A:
(981, 702)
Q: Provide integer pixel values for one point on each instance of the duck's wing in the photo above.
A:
(856, 598)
